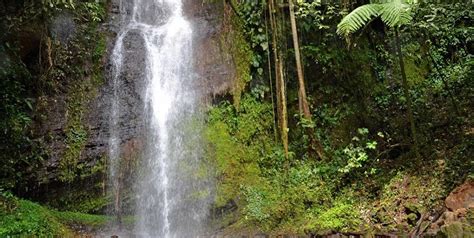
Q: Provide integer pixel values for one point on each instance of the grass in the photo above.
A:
(73, 218)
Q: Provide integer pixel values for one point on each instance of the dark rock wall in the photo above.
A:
(214, 69)
(212, 63)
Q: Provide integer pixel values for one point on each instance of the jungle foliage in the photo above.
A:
(383, 134)
(19, 217)
(48, 49)
(372, 178)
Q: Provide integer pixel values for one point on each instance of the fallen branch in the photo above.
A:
(418, 230)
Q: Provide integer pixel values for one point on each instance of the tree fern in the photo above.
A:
(394, 13)
(358, 18)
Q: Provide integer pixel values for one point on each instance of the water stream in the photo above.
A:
(169, 197)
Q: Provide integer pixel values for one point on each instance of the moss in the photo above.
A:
(455, 229)
(412, 217)
(81, 92)
(416, 69)
(90, 204)
(27, 218)
(87, 197)
(234, 44)
(470, 216)
(405, 197)
(236, 139)
(342, 215)
(77, 218)
(22, 218)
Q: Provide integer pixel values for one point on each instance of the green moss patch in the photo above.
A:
(236, 47)
(27, 218)
(19, 217)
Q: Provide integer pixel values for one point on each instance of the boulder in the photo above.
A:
(462, 197)
(457, 220)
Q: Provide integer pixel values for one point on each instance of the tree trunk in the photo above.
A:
(407, 94)
(270, 80)
(299, 68)
(302, 98)
(284, 113)
(279, 79)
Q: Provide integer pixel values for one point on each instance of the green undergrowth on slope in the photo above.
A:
(372, 180)
(258, 189)
(19, 217)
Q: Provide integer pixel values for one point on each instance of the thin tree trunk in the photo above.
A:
(279, 80)
(284, 112)
(270, 79)
(232, 5)
(299, 68)
(302, 98)
(407, 95)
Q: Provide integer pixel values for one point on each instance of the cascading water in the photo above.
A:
(171, 201)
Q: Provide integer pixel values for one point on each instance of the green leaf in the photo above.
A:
(371, 145)
(358, 18)
(363, 131)
(395, 14)
(264, 45)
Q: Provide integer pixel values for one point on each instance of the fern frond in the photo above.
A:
(395, 14)
(358, 18)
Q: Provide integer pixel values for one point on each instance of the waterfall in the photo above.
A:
(171, 200)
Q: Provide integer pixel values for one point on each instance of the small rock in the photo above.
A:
(460, 212)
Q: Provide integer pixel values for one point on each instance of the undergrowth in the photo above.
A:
(19, 217)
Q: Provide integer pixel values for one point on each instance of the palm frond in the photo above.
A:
(395, 14)
(358, 18)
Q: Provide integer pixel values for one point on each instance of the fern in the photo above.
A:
(394, 13)
(358, 18)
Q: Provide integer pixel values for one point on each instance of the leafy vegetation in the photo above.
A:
(393, 13)
(21, 217)
(20, 152)
(54, 56)
(383, 134)
(384, 169)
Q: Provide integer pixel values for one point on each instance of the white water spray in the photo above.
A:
(166, 205)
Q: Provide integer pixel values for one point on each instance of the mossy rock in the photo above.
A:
(412, 208)
(456, 230)
(412, 217)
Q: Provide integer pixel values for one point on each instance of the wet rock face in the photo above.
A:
(63, 28)
(211, 63)
(130, 90)
(213, 68)
(214, 71)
